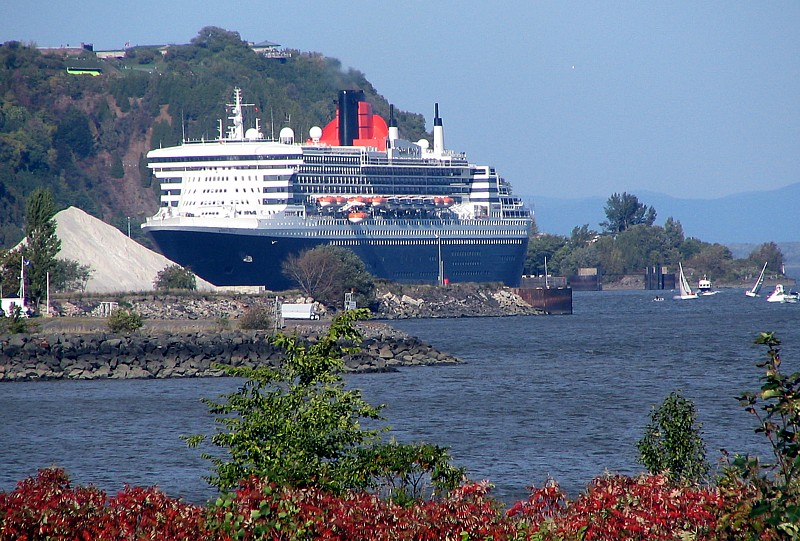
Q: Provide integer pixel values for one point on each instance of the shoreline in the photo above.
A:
(105, 355)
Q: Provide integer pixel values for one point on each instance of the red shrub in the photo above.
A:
(263, 511)
(148, 514)
(646, 507)
(46, 507)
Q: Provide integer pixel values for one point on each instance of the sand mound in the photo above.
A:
(118, 263)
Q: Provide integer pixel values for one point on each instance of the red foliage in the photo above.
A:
(646, 507)
(147, 513)
(47, 507)
(359, 515)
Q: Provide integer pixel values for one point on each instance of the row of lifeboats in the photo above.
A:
(379, 201)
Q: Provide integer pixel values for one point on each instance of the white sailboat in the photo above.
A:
(683, 285)
(753, 291)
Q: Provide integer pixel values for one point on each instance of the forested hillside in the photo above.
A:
(85, 137)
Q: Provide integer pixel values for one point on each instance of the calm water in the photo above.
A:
(561, 397)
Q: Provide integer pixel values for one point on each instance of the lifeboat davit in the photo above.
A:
(357, 216)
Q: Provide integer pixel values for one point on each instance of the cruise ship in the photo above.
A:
(233, 209)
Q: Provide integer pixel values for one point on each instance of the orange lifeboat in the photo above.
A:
(378, 201)
(448, 201)
(326, 200)
(340, 200)
(438, 201)
(357, 216)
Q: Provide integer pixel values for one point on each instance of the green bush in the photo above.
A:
(672, 442)
(13, 323)
(257, 318)
(175, 277)
(123, 320)
(776, 407)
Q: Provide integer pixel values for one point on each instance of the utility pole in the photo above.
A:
(440, 279)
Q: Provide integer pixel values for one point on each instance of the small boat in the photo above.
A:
(779, 294)
(753, 291)
(704, 287)
(658, 298)
(357, 217)
(685, 289)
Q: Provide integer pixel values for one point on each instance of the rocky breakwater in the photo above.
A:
(107, 355)
(456, 300)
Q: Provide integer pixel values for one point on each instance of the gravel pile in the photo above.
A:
(118, 263)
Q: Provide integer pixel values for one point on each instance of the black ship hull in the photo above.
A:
(240, 259)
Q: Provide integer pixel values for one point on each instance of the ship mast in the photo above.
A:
(236, 129)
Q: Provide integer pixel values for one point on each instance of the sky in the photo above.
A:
(566, 98)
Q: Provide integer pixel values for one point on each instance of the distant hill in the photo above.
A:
(741, 222)
(753, 217)
(85, 138)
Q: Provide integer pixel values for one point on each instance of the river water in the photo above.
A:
(536, 398)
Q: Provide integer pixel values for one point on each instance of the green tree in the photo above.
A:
(297, 424)
(623, 211)
(673, 442)
(689, 248)
(769, 253)
(74, 132)
(541, 247)
(175, 277)
(674, 231)
(712, 259)
(10, 261)
(42, 242)
(328, 272)
(70, 275)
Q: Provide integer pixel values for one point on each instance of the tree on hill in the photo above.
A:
(768, 253)
(624, 211)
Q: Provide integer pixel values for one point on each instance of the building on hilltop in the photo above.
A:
(267, 49)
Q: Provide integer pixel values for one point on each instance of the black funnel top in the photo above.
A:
(348, 115)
